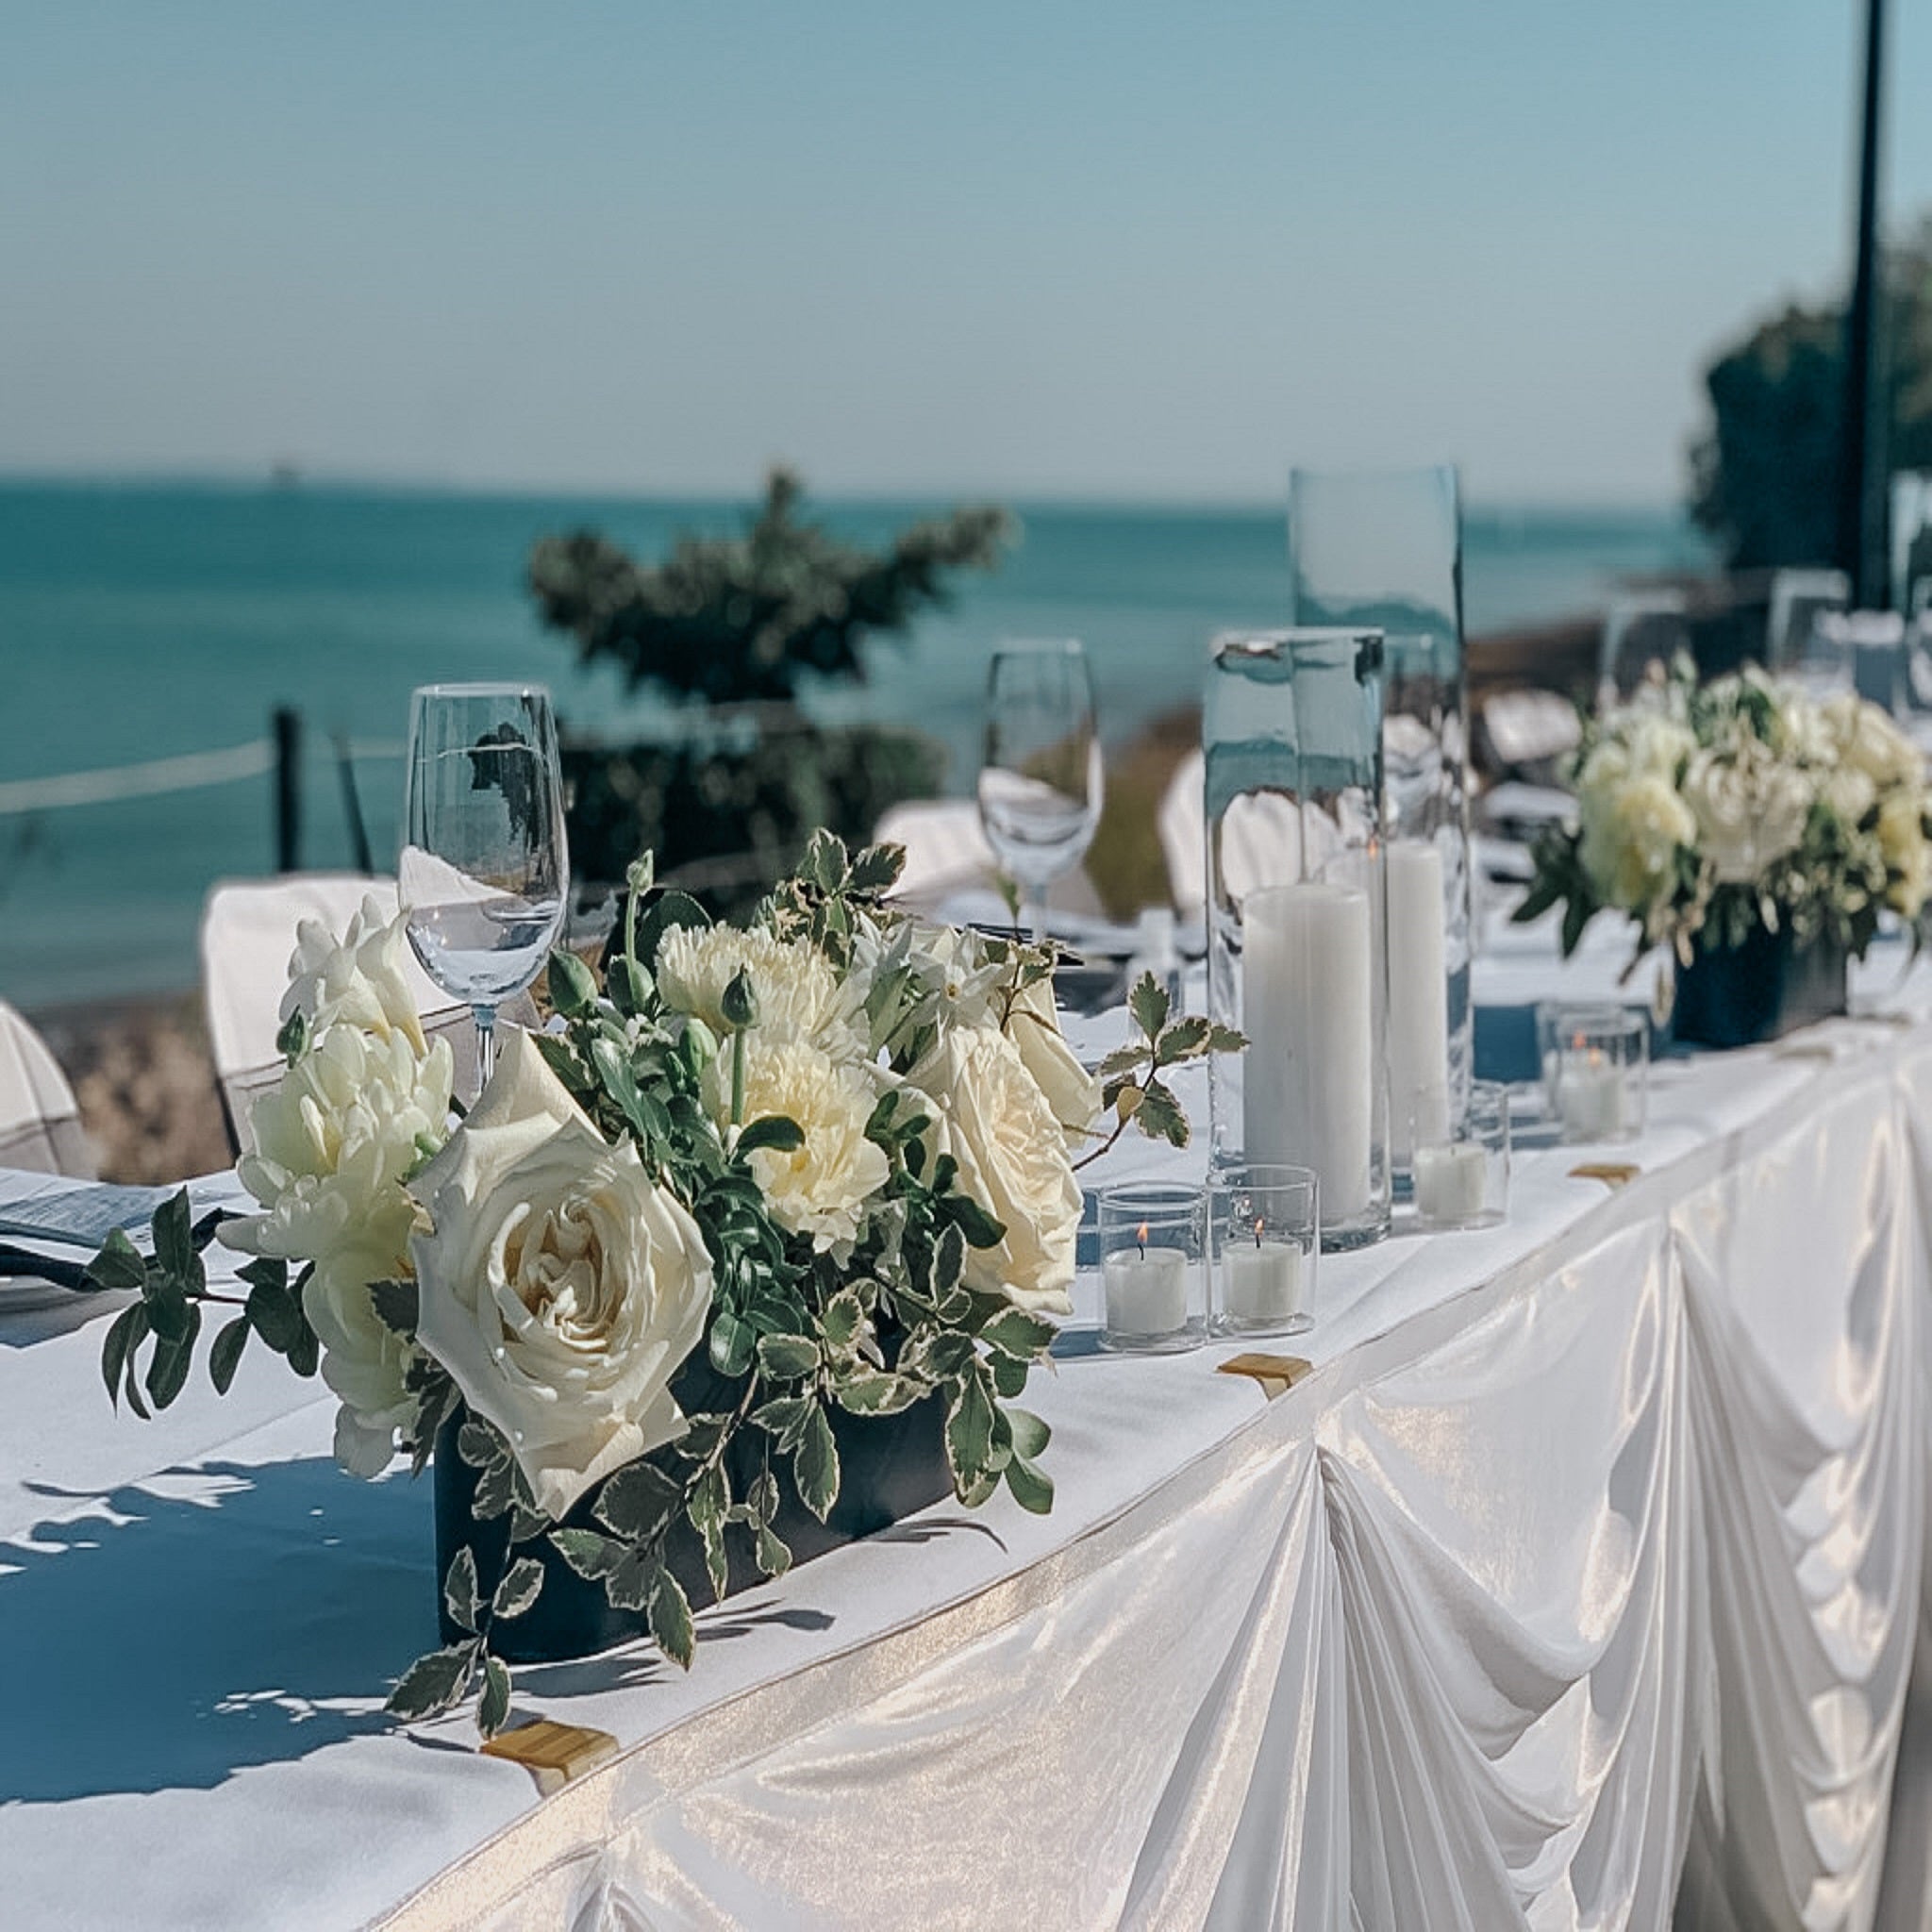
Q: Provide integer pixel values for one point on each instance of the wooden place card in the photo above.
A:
(1277, 1373)
(552, 1753)
(1613, 1174)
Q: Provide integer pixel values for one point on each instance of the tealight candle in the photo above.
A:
(1451, 1181)
(1261, 1280)
(1146, 1289)
(1591, 1090)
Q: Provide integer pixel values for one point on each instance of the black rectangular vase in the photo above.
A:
(1741, 995)
(890, 1467)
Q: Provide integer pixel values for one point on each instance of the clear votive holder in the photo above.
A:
(1152, 1267)
(1461, 1168)
(1264, 1236)
(1596, 1071)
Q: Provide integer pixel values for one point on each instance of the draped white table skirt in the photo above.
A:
(1585, 1568)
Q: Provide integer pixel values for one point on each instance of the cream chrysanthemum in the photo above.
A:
(797, 993)
(824, 1187)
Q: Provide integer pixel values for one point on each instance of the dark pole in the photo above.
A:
(352, 804)
(288, 733)
(1863, 483)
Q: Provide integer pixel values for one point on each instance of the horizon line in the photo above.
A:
(273, 480)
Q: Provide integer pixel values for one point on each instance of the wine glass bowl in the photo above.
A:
(1042, 783)
(484, 871)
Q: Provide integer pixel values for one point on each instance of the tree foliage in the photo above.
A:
(741, 619)
(1765, 473)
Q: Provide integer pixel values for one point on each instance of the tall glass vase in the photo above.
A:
(1291, 734)
(1384, 549)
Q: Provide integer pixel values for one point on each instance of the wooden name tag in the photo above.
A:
(1277, 1373)
(552, 1754)
(1613, 1174)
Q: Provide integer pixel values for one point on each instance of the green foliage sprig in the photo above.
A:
(1132, 1084)
(172, 1290)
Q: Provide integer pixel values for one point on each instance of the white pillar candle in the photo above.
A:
(1260, 1280)
(1146, 1291)
(1591, 1096)
(1307, 1086)
(1418, 984)
(1451, 1181)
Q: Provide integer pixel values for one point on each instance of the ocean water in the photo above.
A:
(141, 622)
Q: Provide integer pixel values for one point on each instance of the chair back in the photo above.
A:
(40, 1119)
(247, 940)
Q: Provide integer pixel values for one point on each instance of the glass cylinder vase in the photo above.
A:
(1384, 548)
(1291, 738)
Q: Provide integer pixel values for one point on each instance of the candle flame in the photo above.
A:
(1258, 1230)
(1142, 1238)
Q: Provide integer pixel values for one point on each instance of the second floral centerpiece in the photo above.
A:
(758, 1191)
(1759, 832)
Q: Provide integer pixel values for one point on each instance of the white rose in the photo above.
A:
(333, 1142)
(1902, 839)
(798, 994)
(358, 977)
(824, 1187)
(1073, 1095)
(1750, 810)
(559, 1287)
(1012, 1155)
(968, 990)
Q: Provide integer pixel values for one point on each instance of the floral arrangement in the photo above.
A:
(1704, 811)
(757, 1178)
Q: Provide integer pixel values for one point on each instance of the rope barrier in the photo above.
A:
(185, 774)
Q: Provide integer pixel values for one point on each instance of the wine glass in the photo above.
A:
(1039, 788)
(484, 874)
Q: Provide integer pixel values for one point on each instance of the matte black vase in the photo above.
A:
(1766, 988)
(890, 1467)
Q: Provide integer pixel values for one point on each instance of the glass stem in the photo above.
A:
(1033, 913)
(486, 1046)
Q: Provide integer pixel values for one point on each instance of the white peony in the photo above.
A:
(1658, 746)
(558, 1285)
(1804, 734)
(1632, 822)
(1902, 839)
(1012, 1155)
(825, 1187)
(1849, 794)
(333, 1142)
(1869, 741)
(798, 994)
(358, 977)
(1750, 810)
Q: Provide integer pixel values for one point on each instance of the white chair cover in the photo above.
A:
(247, 938)
(40, 1120)
(1182, 825)
(945, 850)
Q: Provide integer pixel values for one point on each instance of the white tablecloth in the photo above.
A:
(1590, 1555)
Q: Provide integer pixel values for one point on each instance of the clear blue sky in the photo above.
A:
(1111, 249)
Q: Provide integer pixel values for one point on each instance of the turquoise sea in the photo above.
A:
(150, 622)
